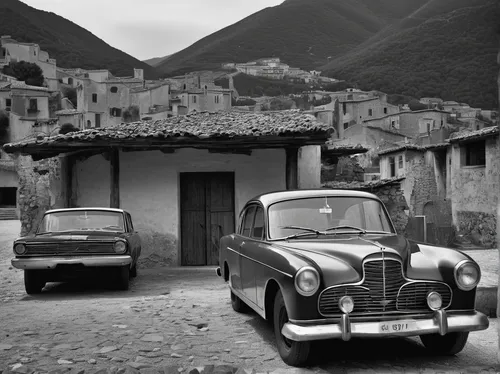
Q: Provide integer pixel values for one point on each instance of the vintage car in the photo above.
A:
(328, 264)
(76, 242)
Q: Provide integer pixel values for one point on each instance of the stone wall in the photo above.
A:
(479, 228)
(347, 169)
(39, 190)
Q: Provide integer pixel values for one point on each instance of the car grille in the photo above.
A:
(76, 248)
(383, 290)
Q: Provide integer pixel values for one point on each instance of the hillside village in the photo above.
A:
(435, 166)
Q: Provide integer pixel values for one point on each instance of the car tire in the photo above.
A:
(292, 353)
(238, 304)
(448, 345)
(34, 282)
(133, 271)
(123, 278)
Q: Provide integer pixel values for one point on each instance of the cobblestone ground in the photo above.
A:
(175, 321)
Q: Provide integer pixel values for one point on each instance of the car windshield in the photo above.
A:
(323, 213)
(82, 220)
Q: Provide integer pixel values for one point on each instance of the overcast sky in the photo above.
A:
(152, 28)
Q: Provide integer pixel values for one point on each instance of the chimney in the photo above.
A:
(139, 73)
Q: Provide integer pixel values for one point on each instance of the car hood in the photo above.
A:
(72, 236)
(353, 249)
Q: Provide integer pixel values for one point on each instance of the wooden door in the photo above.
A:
(207, 214)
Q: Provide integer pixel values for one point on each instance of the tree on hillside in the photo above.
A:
(28, 72)
(70, 94)
(67, 128)
(416, 105)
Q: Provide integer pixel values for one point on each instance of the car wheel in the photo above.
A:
(237, 304)
(293, 353)
(133, 271)
(123, 278)
(449, 344)
(33, 282)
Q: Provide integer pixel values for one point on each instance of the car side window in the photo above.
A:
(258, 224)
(130, 225)
(247, 221)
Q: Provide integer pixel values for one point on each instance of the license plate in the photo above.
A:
(397, 326)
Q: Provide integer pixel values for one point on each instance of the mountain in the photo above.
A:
(446, 48)
(303, 33)
(156, 60)
(70, 44)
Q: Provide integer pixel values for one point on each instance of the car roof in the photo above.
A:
(276, 196)
(89, 208)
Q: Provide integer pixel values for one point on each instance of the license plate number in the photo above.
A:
(395, 327)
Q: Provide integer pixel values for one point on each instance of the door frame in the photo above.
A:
(179, 199)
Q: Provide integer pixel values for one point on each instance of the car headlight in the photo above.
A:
(307, 281)
(120, 247)
(19, 249)
(467, 275)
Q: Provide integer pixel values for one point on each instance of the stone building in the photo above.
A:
(156, 169)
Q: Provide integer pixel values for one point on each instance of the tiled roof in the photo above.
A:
(265, 128)
(23, 86)
(402, 147)
(67, 112)
(395, 132)
(332, 149)
(355, 185)
(467, 135)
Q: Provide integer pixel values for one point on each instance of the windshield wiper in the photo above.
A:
(362, 231)
(308, 229)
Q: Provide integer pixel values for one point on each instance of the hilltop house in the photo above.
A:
(156, 170)
(14, 51)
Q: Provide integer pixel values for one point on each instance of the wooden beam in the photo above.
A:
(238, 151)
(114, 162)
(292, 168)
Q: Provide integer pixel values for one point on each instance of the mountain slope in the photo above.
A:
(156, 60)
(447, 48)
(303, 33)
(70, 44)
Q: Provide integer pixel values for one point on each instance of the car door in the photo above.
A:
(134, 239)
(249, 251)
(233, 254)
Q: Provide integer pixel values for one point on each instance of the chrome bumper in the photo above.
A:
(52, 262)
(440, 323)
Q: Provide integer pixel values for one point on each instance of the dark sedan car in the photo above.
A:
(327, 264)
(74, 242)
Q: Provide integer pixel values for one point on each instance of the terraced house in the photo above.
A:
(184, 179)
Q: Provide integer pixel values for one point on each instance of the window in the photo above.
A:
(194, 99)
(393, 123)
(113, 89)
(258, 225)
(8, 103)
(370, 112)
(385, 110)
(217, 99)
(400, 162)
(89, 124)
(86, 75)
(94, 98)
(474, 153)
(344, 108)
(115, 112)
(346, 125)
(33, 105)
(70, 81)
(247, 221)
(392, 167)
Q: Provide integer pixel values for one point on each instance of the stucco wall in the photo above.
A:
(475, 194)
(149, 189)
(8, 178)
(309, 165)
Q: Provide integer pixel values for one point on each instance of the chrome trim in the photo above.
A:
(301, 270)
(52, 262)
(347, 329)
(359, 283)
(458, 266)
(261, 263)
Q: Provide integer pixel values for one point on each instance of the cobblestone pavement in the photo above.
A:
(175, 321)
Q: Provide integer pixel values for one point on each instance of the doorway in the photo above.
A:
(8, 197)
(207, 214)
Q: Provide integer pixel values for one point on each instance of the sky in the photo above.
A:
(152, 28)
